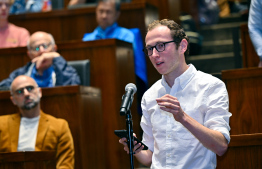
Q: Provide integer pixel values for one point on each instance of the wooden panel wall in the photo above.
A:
(244, 151)
(245, 97)
(249, 55)
(28, 160)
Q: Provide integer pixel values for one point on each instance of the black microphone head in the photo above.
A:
(131, 86)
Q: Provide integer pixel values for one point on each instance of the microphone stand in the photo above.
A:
(130, 137)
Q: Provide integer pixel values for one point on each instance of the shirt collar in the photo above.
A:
(184, 78)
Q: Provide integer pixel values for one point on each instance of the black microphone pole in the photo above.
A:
(125, 110)
(130, 137)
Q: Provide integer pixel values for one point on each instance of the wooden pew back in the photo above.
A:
(28, 160)
(245, 97)
(249, 55)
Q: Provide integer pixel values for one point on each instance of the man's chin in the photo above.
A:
(29, 106)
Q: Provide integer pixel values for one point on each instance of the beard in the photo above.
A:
(31, 105)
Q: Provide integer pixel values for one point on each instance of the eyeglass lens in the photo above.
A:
(21, 90)
(45, 46)
(160, 47)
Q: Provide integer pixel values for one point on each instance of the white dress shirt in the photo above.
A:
(201, 96)
(27, 133)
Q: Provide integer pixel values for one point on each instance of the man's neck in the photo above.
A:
(170, 78)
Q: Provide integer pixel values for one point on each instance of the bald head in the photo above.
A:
(26, 95)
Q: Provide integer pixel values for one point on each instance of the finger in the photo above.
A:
(138, 150)
(137, 146)
(123, 141)
(126, 149)
(34, 60)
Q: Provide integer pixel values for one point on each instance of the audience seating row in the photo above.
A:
(111, 68)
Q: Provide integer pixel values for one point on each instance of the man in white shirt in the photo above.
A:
(185, 118)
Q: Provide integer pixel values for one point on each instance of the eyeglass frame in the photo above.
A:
(44, 45)
(23, 89)
(164, 43)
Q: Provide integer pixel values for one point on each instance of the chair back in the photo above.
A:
(83, 69)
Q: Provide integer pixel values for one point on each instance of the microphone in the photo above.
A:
(127, 98)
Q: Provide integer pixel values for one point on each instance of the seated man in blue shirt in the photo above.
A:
(47, 67)
(107, 13)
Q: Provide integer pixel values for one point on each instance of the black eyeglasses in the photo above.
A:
(21, 90)
(160, 47)
(37, 48)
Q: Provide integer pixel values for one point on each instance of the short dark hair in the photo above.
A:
(177, 33)
(117, 3)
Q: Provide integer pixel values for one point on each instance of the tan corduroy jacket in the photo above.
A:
(53, 134)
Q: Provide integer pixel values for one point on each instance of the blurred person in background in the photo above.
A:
(25, 6)
(47, 67)
(10, 34)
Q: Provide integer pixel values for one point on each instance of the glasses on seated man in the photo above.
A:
(29, 88)
(37, 48)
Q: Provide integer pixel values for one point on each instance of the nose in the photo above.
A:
(26, 93)
(41, 49)
(104, 15)
(155, 53)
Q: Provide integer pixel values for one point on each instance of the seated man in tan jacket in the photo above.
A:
(32, 129)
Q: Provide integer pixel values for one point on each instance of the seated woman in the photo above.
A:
(10, 35)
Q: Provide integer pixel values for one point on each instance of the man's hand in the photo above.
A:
(171, 104)
(137, 146)
(44, 61)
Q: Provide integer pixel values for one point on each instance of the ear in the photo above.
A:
(117, 15)
(28, 53)
(183, 45)
(13, 100)
(55, 47)
(40, 92)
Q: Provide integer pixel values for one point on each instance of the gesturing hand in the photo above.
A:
(171, 104)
